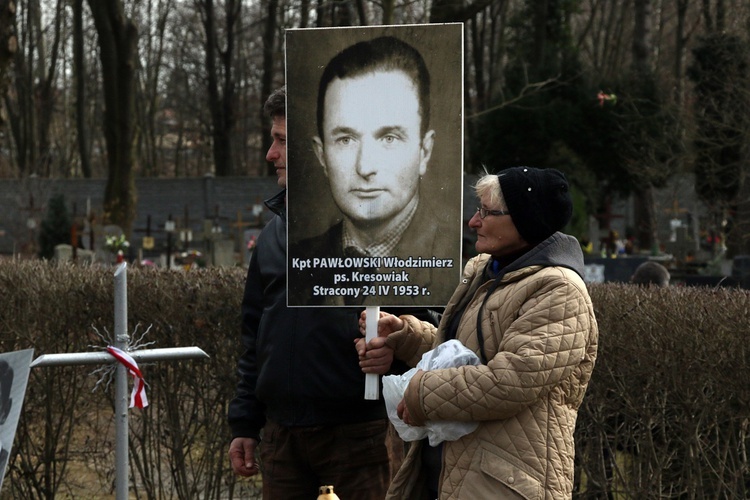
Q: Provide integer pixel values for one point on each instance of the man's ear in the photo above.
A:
(426, 151)
(319, 152)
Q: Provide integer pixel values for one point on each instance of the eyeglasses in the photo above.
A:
(483, 212)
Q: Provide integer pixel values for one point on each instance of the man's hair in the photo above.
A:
(651, 273)
(382, 54)
(275, 105)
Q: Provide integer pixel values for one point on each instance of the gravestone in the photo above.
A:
(594, 273)
(222, 253)
(63, 252)
(615, 270)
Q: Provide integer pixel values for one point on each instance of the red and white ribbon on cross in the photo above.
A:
(138, 395)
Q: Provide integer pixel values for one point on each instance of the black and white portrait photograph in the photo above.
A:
(374, 192)
(14, 375)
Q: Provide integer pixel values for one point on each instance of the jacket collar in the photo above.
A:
(277, 203)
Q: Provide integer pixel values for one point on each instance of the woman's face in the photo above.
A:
(496, 234)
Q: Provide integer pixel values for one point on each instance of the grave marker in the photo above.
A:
(186, 234)
(240, 226)
(122, 343)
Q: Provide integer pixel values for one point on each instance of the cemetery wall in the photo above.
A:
(218, 199)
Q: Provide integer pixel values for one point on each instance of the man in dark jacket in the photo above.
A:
(300, 393)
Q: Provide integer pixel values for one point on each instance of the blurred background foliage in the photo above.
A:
(621, 95)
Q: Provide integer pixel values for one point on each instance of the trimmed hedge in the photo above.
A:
(65, 441)
(667, 413)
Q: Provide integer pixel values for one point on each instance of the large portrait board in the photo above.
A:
(14, 376)
(375, 171)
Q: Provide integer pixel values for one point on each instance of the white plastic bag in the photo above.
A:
(447, 355)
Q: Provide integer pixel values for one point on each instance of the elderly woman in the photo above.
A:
(523, 308)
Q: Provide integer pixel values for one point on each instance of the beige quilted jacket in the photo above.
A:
(540, 339)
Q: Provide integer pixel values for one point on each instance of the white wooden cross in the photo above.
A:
(122, 398)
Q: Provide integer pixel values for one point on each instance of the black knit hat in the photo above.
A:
(538, 201)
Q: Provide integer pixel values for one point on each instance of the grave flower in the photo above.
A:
(116, 244)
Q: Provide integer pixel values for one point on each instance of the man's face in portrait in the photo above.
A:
(372, 151)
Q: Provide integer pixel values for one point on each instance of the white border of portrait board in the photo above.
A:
(18, 363)
(310, 205)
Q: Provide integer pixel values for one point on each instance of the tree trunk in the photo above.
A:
(118, 43)
(45, 90)
(642, 37)
(681, 40)
(715, 22)
(364, 19)
(720, 15)
(642, 49)
(79, 65)
(21, 109)
(645, 220)
(269, 36)
(472, 106)
(148, 101)
(221, 102)
(388, 6)
(8, 47)
(304, 13)
(541, 21)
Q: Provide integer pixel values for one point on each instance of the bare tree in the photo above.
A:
(31, 106)
(486, 44)
(46, 89)
(8, 47)
(268, 70)
(152, 57)
(642, 69)
(722, 100)
(118, 45)
(715, 19)
(79, 70)
(220, 79)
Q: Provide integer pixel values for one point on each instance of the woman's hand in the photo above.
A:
(403, 412)
(387, 323)
(375, 356)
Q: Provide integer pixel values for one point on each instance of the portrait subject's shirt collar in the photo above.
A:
(385, 246)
